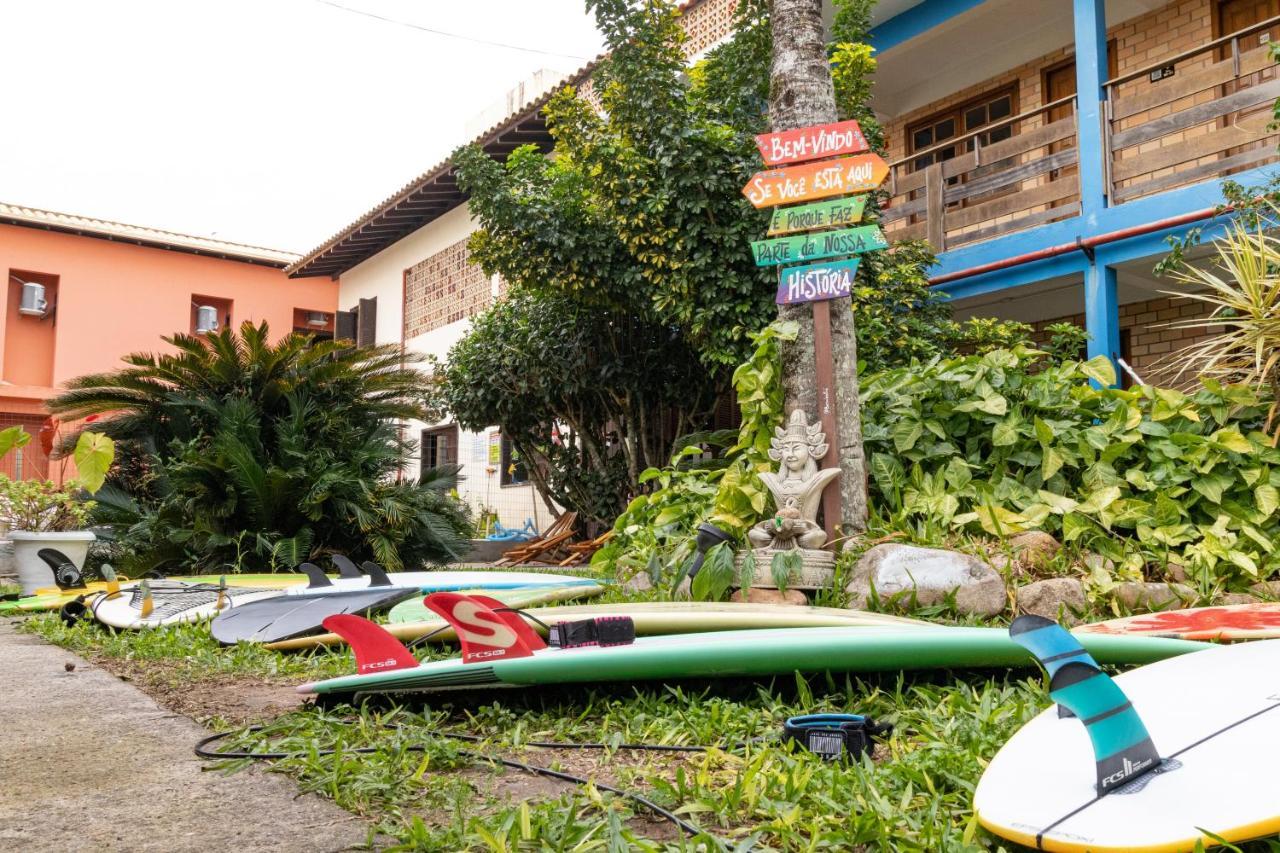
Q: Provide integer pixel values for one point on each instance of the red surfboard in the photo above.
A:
(1259, 621)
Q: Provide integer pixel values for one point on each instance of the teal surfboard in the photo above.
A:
(751, 653)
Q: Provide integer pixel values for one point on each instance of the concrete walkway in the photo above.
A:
(89, 762)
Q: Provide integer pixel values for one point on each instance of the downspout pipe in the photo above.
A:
(1081, 244)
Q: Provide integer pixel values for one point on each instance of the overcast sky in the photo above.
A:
(272, 122)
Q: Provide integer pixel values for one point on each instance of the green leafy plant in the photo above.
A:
(1004, 442)
(45, 506)
(240, 452)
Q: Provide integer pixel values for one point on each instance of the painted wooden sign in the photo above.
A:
(813, 181)
(811, 143)
(820, 214)
(816, 282)
(824, 244)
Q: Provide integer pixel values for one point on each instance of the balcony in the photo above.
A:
(1197, 116)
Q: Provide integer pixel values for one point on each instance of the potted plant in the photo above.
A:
(45, 514)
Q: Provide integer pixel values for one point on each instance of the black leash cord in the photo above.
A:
(686, 827)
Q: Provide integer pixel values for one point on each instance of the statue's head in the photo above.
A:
(798, 447)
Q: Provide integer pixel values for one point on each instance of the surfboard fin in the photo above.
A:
(113, 582)
(375, 649)
(484, 635)
(346, 568)
(1122, 748)
(316, 578)
(377, 574)
(1050, 644)
(513, 619)
(65, 573)
(148, 603)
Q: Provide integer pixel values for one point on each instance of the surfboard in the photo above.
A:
(447, 581)
(1259, 621)
(500, 650)
(1187, 746)
(52, 598)
(281, 617)
(172, 602)
(650, 618)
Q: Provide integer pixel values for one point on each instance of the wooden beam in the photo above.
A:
(1198, 173)
(1263, 93)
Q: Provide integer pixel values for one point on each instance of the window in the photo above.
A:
(513, 469)
(439, 447)
(959, 121)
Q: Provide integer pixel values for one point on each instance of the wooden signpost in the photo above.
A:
(811, 247)
(810, 143)
(812, 181)
(818, 283)
(820, 214)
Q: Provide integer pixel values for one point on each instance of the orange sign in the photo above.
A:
(811, 143)
(816, 180)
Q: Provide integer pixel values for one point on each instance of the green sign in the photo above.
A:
(820, 214)
(812, 247)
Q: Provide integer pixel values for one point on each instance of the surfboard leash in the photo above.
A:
(202, 751)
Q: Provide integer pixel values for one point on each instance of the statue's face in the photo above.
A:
(795, 455)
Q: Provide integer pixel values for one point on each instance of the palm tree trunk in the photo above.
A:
(801, 94)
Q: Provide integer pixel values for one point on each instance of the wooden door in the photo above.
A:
(1060, 82)
(1233, 16)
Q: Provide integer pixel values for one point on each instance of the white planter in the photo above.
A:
(33, 572)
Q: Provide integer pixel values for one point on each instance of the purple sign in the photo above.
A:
(816, 282)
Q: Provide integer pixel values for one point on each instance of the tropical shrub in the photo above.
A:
(1002, 442)
(246, 454)
(43, 506)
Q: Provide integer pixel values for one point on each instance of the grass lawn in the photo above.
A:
(423, 791)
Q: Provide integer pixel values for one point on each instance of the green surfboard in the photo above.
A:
(753, 653)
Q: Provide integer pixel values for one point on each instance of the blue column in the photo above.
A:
(1102, 312)
(1091, 71)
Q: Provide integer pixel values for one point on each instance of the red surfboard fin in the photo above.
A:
(514, 619)
(484, 635)
(376, 650)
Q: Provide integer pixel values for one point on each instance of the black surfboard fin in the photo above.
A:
(346, 568)
(65, 573)
(377, 574)
(316, 578)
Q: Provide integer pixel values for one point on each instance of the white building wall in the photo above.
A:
(382, 276)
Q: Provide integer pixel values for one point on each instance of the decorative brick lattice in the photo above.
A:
(708, 23)
(443, 289)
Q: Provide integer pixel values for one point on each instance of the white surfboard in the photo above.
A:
(451, 581)
(1216, 714)
(172, 602)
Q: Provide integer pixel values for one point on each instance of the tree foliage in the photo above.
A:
(589, 396)
(250, 454)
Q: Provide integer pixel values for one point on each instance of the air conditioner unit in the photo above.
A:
(206, 319)
(33, 302)
(317, 318)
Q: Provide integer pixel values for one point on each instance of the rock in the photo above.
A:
(1176, 572)
(1034, 548)
(895, 572)
(758, 595)
(1094, 561)
(1232, 598)
(1266, 590)
(639, 582)
(1142, 597)
(1059, 599)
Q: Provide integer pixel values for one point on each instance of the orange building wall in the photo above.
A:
(116, 298)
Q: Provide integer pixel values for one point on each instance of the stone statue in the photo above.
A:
(797, 492)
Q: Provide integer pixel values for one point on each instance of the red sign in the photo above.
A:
(811, 143)
(813, 181)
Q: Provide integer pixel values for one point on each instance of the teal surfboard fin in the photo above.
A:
(1122, 748)
(1051, 646)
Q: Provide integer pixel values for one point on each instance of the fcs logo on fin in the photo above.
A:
(484, 634)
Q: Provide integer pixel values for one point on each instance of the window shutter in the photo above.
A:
(367, 323)
(345, 326)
